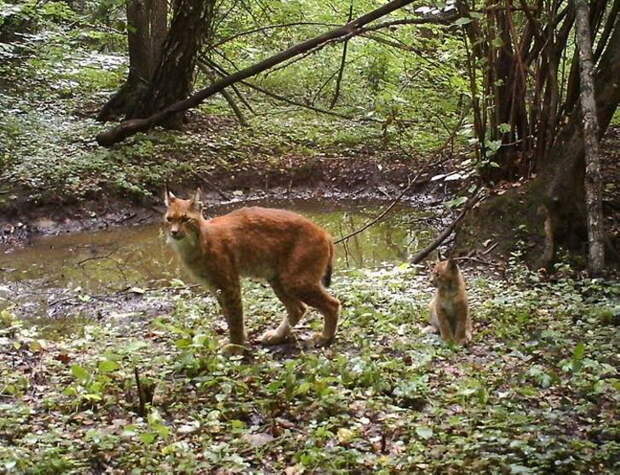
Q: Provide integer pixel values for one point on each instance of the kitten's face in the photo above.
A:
(444, 273)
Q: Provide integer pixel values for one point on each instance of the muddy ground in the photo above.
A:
(291, 178)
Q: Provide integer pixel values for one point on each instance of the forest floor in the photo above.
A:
(537, 390)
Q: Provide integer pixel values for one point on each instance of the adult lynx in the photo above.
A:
(289, 251)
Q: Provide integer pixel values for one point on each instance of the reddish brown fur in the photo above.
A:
(289, 251)
(449, 307)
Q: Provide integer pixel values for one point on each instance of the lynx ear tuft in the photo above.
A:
(451, 264)
(196, 202)
(168, 196)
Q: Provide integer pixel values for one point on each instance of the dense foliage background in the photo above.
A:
(536, 392)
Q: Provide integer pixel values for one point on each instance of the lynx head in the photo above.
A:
(445, 274)
(182, 216)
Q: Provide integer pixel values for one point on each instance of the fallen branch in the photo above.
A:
(383, 213)
(142, 403)
(420, 256)
(130, 127)
(231, 102)
(441, 19)
(270, 27)
(292, 102)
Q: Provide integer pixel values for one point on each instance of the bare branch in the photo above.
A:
(294, 102)
(131, 127)
(445, 19)
(270, 27)
(383, 213)
(420, 256)
(343, 62)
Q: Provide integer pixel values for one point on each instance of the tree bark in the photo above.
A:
(563, 173)
(552, 207)
(173, 78)
(146, 31)
(130, 127)
(593, 179)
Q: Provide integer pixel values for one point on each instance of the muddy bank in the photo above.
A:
(291, 178)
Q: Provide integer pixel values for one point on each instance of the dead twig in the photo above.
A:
(420, 256)
(343, 62)
(490, 249)
(287, 100)
(383, 214)
(142, 406)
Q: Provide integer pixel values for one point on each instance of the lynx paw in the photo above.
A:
(272, 337)
(234, 350)
(466, 340)
(320, 340)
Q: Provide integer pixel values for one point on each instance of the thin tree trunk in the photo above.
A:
(593, 179)
(131, 127)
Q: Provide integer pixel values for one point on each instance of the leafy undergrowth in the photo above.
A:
(537, 391)
(55, 82)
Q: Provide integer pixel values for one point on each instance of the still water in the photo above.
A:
(138, 256)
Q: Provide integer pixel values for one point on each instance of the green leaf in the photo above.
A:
(148, 437)
(424, 432)
(303, 388)
(79, 373)
(107, 366)
(456, 202)
(503, 128)
(161, 429)
(462, 21)
(580, 351)
(578, 354)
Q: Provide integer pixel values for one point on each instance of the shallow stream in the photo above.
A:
(42, 280)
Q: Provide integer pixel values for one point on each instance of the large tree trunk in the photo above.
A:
(564, 171)
(146, 31)
(592, 182)
(173, 78)
(552, 207)
(131, 127)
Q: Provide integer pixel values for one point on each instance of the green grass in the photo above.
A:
(537, 391)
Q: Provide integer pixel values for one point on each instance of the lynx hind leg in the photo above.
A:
(328, 306)
(433, 321)
(295, 310)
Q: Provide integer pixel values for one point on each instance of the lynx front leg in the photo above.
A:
(444, 324)
(462, 333)
(229, 299)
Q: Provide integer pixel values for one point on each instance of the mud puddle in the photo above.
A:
(124, 273)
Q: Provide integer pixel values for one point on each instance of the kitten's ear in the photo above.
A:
(196, 203)
(168, 196)
(438, 255)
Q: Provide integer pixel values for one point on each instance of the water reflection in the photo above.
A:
(137, 256)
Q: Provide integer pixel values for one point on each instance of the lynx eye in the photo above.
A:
(184, 219)
(169, 219)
